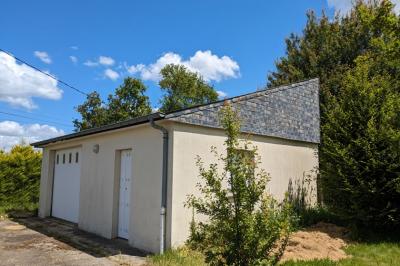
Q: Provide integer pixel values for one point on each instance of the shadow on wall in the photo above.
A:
(305, 197)
(303, 192)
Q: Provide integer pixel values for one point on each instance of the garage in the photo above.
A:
(67, 172)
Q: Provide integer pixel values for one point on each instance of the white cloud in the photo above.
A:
(20, 83)
(397, 6)
(222, 94)
(344, 6)
(111, 74)
(43, 56)
(74, 47)
(106, 61)
(102, 60)
(11, 128)
(73, 59)
(208, 65)
(12, 133)
(90, 63)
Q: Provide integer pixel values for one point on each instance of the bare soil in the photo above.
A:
(320, 241)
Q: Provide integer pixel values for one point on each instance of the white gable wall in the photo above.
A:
(283, 159)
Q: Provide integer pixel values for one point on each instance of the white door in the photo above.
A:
(124, 193)
(67, 173)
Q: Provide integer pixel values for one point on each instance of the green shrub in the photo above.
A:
(245, 225)
(19, 178)
(360, 165)
(313, 215)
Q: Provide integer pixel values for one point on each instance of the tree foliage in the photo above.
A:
(93, 113)
(245, 225)
(183, 89)
(19, 176)
(361, 162)
(357, 58)
(128, 101)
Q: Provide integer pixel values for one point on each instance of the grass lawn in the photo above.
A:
(180, 256)
(381, 254)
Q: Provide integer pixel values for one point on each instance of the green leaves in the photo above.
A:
(183, 89)
(19, 176)
(129, 101)
(245, 225)
(360, 163)
(93, 113)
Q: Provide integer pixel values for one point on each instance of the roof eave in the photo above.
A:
(110, 127)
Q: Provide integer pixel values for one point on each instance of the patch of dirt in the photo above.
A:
(49, 246)
(14, 227)
(320, 241)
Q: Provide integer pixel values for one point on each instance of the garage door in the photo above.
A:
(67, 172)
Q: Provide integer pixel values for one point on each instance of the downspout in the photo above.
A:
(163, 238)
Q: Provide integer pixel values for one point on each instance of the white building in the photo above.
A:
(115, 180)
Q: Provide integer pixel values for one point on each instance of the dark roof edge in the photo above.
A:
(87, 132)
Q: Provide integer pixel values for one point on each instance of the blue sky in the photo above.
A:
(93, 45)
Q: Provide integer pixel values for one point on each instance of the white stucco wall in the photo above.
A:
(99, 187)
(99, 183)
(283, 159)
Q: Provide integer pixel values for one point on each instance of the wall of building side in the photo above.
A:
(99, 186)
(285, 160)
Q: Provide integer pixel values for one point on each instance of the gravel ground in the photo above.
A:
(35, 241)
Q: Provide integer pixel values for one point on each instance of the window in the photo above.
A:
(58, 159)
(77, 157)
(63, 158)
(70, 158)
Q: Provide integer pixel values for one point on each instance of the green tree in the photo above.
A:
(19, 177)
(245, 225)
(361, 152)
(183, 89)
(128, 101)
(356, 58)
(328, 47)
(93, 113)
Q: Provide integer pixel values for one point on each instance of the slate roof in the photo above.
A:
(289, 112)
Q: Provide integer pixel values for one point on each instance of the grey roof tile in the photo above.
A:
(290, 112)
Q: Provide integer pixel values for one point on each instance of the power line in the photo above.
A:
(45, 116)
(49, 75)
(36, 119)
(44, 73)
